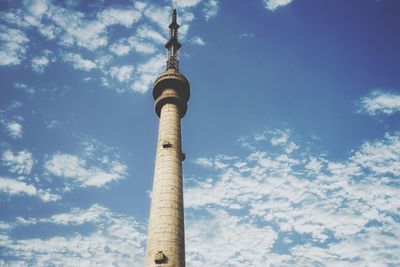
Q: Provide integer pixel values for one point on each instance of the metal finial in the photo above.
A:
(174, 15)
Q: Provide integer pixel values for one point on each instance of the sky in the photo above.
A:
(292, 136)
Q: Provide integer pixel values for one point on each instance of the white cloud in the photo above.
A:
(223, 239)
(185, 19)
(78, 171)
(24, 87)
(281, 138)
(39, 63)
(75, 168)
(380, 102)
(122, 73)
(159, 15)
(274, 4)
(70, 27)
(124, 46)
(141, 46)
(14, 187)
(185, 3)
(219, 162)
(139, 5)
(14, 129)
(380, 157)
(121, 47)
(148, 71)
(325, 212)
(146, 32)
(197, 41)
(47, 196)
(14, 105)
(79, 63)
(51, 124)
(116, 240)
(78, 216)
(210, 9)
(278, 138)
(74, 29)
(13, 44)
(103, 61)
(113, 16)
(37, 7)
(20, 163)
(246, 35)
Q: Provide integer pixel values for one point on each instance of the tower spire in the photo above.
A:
(173, 44)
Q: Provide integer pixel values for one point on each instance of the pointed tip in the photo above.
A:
(174, 15)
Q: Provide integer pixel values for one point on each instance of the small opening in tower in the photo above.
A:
(159, 257)
(166, 144)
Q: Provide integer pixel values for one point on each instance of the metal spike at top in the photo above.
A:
(173, 44)
(173, 18)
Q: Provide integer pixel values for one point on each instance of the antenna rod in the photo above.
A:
(173, 44)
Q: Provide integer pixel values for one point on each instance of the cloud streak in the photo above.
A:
(20, 163)
(380, 102)
(115, 240)
(14, 129)
(275, 4)
(79, 63)
(77, 170)
(318, 208)
(13, 46)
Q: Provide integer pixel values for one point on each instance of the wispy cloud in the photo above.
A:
(121, 47)
(69, 30)
(77, 169)
(210, 9)
(13, 44)
(132, 44)
(147, 72)
(90, 34)
(39, 63)
(185, 3)
(147, 33)
(96, 165)
(125, 17)
(13, 187)
(24, 87)
(70, 27)
(274, 4)
(116, 240)
(79, 63)
(318, 208)
(380, 102)
(14, 129)
(122, 73)
(197, 41)
(246, 35)
(20, 163)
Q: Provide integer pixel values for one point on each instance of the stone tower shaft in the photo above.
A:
(171, 92)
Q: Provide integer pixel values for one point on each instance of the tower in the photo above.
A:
(171, 92)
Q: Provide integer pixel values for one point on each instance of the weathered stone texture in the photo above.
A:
(166, 224)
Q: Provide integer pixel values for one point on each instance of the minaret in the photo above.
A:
(166, 233)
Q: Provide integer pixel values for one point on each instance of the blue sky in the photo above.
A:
(292, 132)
